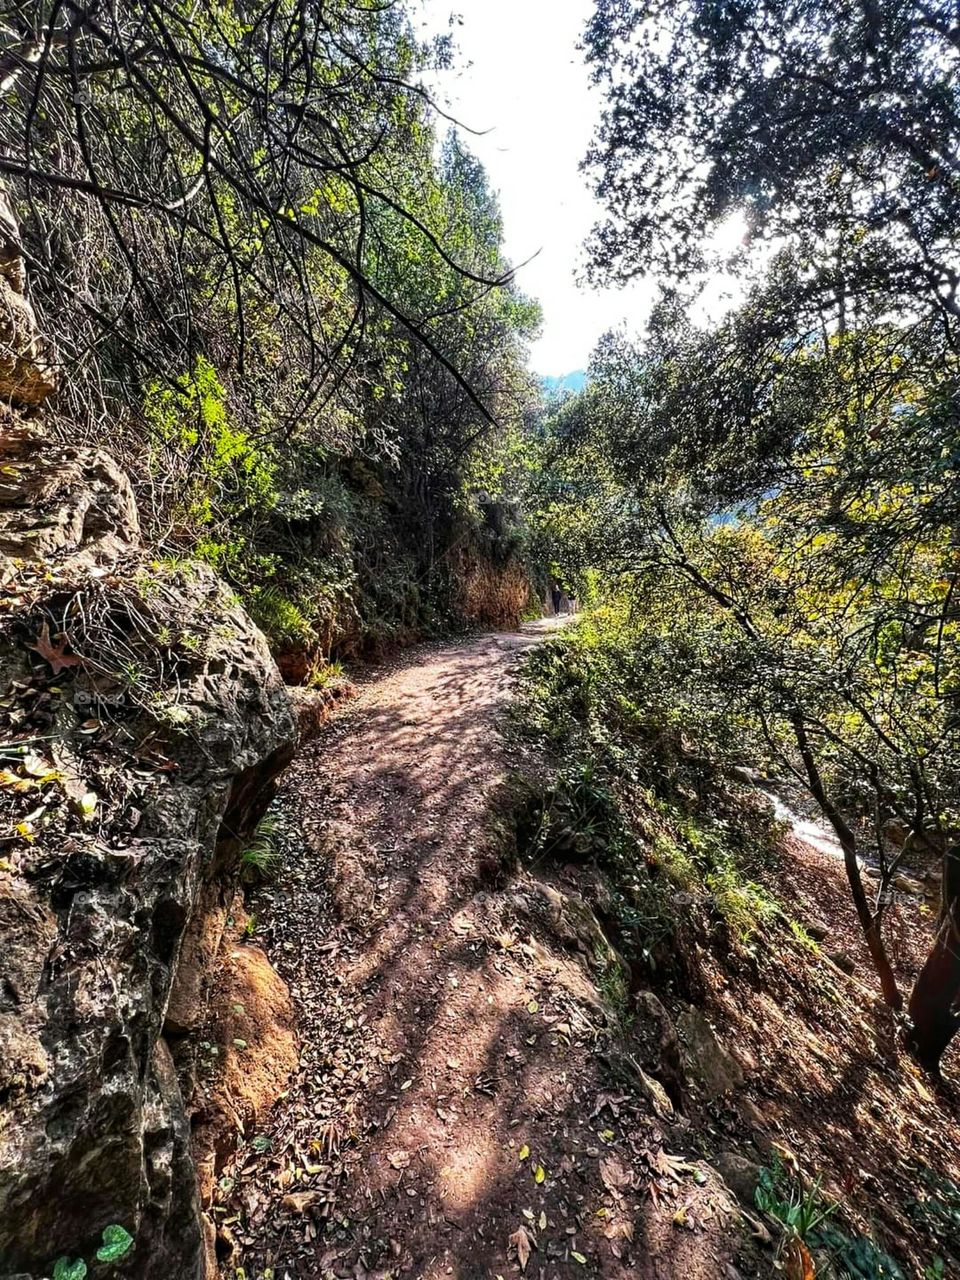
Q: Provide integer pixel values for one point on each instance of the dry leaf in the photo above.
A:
(524, 1152)
(399, 1159)
(539, 1174)
(54, 653)
(300, 1201)
(797, 1263)
(521, 1242)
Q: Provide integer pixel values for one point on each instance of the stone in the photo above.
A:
(64, 501)
(28, 368)
(741, 1175)
(659, 1046)
(28, 372)
(708, 1065)
(843, 961)
(96, 915)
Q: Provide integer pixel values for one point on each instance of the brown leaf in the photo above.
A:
(54, 653)
(797, 1263)
(399, 1159)
(615, 1177)
(521, 1242)
(300, 1201)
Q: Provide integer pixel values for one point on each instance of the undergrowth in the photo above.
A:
(640, 799)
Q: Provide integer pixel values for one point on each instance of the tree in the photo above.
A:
(828, 408)
(834, 125)
(203, 177)
(789, 489)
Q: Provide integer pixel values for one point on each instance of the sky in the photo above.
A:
(520, 76)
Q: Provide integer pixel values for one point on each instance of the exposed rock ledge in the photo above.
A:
(157, 723)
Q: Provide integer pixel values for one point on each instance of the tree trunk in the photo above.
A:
(935, 1001)
(869, 922)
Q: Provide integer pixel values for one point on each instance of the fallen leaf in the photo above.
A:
(539, 1174)
(399, 1159)
(521, 1242)
(524, 1152)
(300, 1201)
(797, 1263)
(54, 653)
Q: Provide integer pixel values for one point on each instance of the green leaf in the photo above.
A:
(117, 1242)
(67, 1269)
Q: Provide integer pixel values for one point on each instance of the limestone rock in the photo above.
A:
(63, 500)
(191, 725)
(707, 1063)
(28, 371)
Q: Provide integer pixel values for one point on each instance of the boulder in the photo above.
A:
(28, 370)
(154, 724)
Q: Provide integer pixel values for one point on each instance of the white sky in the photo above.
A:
(520, 75)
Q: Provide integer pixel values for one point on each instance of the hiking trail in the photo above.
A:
(453, 1112)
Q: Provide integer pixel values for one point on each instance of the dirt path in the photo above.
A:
(453, 1111)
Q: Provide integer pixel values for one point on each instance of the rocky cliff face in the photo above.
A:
(142, 725)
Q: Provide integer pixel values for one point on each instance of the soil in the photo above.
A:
(480, 1092)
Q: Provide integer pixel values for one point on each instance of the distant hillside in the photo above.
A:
(563, 382)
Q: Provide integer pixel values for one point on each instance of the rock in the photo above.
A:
(707, 1063)
(191, 725)
(659, 1045)
(842, 961)
(741, 1175)
(28, 372)
(63, 500)
(250, 1019)
(313, 707)
(817, 930)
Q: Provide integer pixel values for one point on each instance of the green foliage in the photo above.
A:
(260, 859)
(283, 620)
(655, 814)
(799, 1208)
(69, 1269)
(226, 469)
(937, 1208)
(117, 1243)
(857, 1257)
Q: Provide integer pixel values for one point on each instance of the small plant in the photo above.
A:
(69, 1269)
(937, 1207)
(117, 1243)
(857, 1257)
(798, 1208)
(323, 674)
(260, 859)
